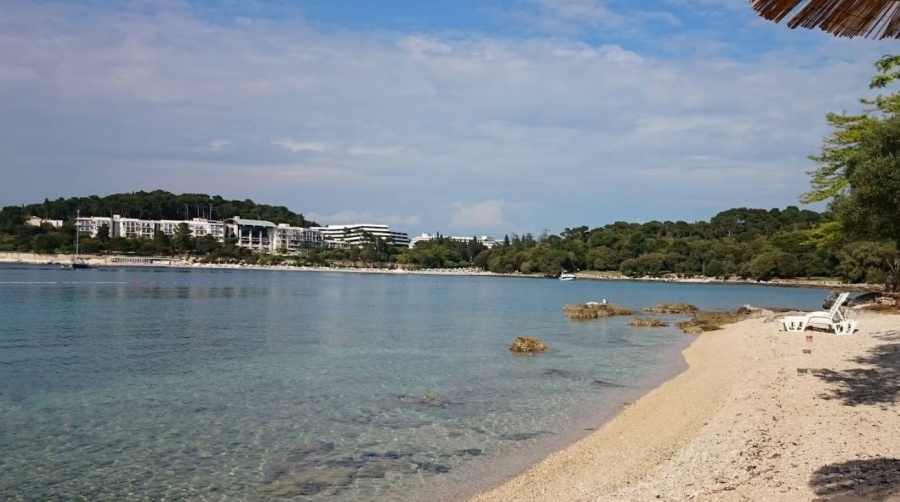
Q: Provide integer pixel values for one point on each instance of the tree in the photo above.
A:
(103, 233)
(860, 169)
(182, 241)
(841, 146)
(871, 207)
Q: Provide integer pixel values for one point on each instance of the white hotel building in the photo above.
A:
(257, 235)
(198, 227)
(484, 240)
(359, 234)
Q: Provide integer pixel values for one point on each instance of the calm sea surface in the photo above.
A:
(150, 384)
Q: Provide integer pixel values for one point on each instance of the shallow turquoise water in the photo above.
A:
(148, 384)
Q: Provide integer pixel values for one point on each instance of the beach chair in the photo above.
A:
(833, 320)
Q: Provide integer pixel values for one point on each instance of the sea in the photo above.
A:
(219, 385)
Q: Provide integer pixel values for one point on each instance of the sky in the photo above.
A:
(462, 117)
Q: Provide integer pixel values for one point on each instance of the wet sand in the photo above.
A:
(752, 418)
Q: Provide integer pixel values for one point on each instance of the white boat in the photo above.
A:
(567, 276)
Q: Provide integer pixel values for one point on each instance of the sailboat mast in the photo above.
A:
(77, 216)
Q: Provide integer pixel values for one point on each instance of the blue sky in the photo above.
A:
(464, 117)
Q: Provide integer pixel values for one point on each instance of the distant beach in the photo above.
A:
(753, 418)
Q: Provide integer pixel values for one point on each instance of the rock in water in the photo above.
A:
(829, 300)
(526, 345)
(864, 299)
(593, 310)
(702, 320)
(671, 308)
(647, 322)
(430, 399)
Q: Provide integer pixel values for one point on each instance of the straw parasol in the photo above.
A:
(844, 18)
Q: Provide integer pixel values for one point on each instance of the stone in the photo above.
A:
(646, 322)
(526, 345)
(863, 299)
(430, 399)
(671, 308)
(594, 310)
(703, 321)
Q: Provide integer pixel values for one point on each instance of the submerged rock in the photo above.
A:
(604, 383)
(521, 436)
(430, 399)
(526, 345)
(593, 310)
(323, 469)
(671, 308)
(646, 322)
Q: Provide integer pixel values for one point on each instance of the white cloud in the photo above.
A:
(575, 9)
(422, 45)
(300, 146)
(483, 215)
(348, 216)
(380, 124)
(218, 144)
(375, 150)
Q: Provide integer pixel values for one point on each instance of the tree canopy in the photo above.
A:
(155, 205)
(859, 171)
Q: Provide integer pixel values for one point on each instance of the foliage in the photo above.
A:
(870, 210)
(158, 205)
(887, 73)
(859, 173)
(753, 243)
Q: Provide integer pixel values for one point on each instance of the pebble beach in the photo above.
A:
(760, 414)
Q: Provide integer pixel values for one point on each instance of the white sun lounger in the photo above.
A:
(834, 319)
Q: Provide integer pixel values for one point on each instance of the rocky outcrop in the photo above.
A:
(671, 308)
(751, 312)
(864, 299)
(593, 310)
(703, 321)
(647, 322)
(526, 345)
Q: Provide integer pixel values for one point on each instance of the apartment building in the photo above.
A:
(197, 227)
(257, 235)
(361, 233)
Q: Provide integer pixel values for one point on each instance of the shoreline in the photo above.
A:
(743, 422)
(100, 262)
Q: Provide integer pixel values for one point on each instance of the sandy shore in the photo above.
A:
(744, 423)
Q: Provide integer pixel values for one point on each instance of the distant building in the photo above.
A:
(197, 227)
(484, 240)
(118, 226)
(91, 224)
(133, 227)
(257, 235)
(359, 234)
(291, 239)
(34, 221)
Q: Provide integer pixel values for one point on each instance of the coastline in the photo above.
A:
(744, 422)
(101, 262)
